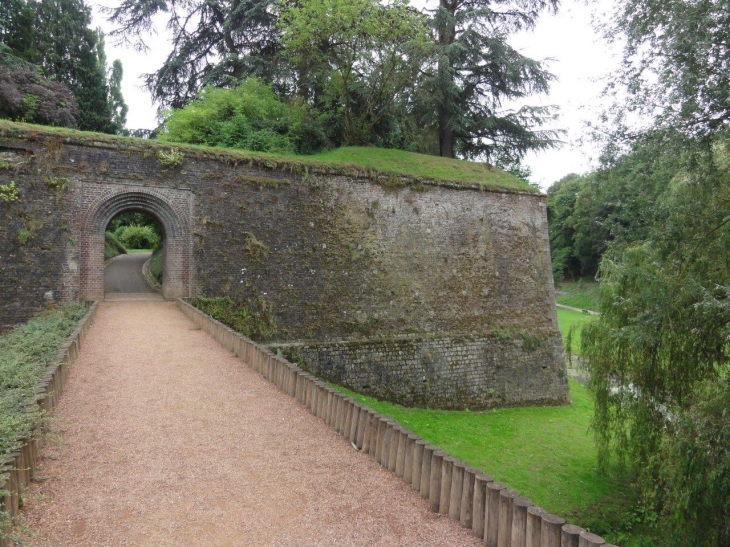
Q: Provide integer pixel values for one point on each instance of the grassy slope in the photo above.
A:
(578, 294)
(568, 318)
(351, 160)
(25, 352)
(421, 166)
(545, 453)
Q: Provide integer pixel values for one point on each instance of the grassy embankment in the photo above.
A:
(356, 161)
(545, 453)
(582, 295)
(25, 352)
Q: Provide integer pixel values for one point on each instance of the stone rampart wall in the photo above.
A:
(335, 259)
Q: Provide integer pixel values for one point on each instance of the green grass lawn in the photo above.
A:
(578, 294)
(569, 318)
(422, 166)
(545, 453)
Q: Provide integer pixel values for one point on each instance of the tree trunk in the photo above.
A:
(446, 35)
(446, 135)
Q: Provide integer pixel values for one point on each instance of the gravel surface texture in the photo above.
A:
(166, 439)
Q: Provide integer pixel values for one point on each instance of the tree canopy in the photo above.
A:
(475, 70)
(654, 220)
(67, 51)
(377, 73)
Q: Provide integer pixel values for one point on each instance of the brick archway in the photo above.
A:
(172, 210)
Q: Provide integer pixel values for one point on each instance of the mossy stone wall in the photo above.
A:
(340, 259)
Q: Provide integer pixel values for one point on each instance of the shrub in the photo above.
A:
(249, 117)
(112, 246)
(138, 237)
(253, 317)
(25, 352)
(156, 264)
(27, 96)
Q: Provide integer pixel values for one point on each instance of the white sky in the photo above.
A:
(580, 60)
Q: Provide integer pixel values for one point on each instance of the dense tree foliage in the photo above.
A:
(358, 60)
(675, 63)
(662, 337)
(67, 51)
(656, 214)
(616, 203)
(474, 71)
(377, 73)
(214, 44)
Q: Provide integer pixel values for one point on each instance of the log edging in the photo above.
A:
(17, 469)
(498, 516)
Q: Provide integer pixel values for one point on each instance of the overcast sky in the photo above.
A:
(580, 60)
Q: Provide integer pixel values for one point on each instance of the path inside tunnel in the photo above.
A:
(123, 278)
(164, 438)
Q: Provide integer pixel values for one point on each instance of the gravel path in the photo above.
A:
(166, 439)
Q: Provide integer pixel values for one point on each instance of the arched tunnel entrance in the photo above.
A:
(169, 212)
(134, 245)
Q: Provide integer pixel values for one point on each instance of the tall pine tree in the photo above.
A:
(214, 43)
(475, 71)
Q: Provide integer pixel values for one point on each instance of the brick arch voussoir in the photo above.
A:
(175, 223)
(172, 221)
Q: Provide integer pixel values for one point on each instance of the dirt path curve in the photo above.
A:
(166, 439)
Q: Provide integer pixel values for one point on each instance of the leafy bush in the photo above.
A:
(138, 237)
(253, 318)
(112, 246)
(156, 264)
(250, 117)
(27, 96)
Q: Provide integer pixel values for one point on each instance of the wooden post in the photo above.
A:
(371, 434)
(550, 531)
(400, 456)
(506, 509)
(447, 470)
(418, 446)
(393, 446)
(467, 497)
(519, 521)
(457, 485)
(590, 540)
(479, 504)
(425, 486)
(534, 526)
(411, 439)
(354, 421)
(363, 421)
(434, 489)
(380, 439)
(570, 535)
(491, 514)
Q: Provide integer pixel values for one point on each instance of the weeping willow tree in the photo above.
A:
(659, 357)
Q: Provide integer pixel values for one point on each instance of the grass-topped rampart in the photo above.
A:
(360, 162)
(25, 353)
